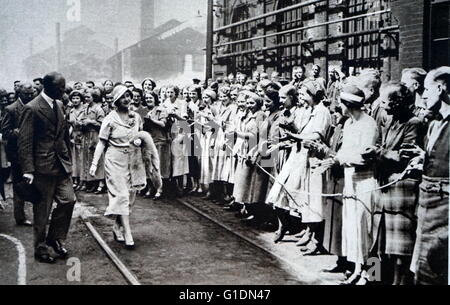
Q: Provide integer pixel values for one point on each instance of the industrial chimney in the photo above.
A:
(147, 18)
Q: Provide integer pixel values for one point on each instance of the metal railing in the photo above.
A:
(263, 16)
(302, 28)
(292, 44)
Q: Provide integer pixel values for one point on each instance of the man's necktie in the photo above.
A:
(55, 111)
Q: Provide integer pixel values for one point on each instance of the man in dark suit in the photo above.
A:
(45, 159)
(10, 131)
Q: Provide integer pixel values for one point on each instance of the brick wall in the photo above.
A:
(410, 16)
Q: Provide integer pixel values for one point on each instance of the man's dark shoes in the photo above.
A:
(58, 247)
(232, 207)
(25, 223)
(91, 190)
(44, 258)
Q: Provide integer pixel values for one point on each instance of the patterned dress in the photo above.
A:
(180, 160)
(332, 240)
(222, 159)
(90, 140)
(207, 145)
(75, 116)
(161, 138)
(395, 219)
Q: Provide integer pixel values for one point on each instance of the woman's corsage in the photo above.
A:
(137, 142)
(132, 119)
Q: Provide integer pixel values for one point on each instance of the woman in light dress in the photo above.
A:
(205, 120)
(155, 123)
(91, 120)
(295, 114)
(222, 160)
(194, 154)
(178, 115)
(239, 149)
(250, 186)
(359, 136)
(124, 167)
(305, 185)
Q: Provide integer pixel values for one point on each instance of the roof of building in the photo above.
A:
(75, 48)
(172, 35)
(81, 30)
(75, 42)
(164, 27)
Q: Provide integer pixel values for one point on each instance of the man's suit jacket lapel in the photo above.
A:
(18, 111)
(20, 106)
(60, 119)
(47, 111)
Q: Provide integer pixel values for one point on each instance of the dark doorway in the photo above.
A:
(439, 33)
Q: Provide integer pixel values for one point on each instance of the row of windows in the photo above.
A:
(282, 52)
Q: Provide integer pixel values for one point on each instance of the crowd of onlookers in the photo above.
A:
(354, 167)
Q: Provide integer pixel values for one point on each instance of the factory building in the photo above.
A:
(275, 35)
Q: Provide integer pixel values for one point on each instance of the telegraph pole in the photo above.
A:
(209, 40)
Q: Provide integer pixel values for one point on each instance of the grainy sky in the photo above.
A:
(23, 20)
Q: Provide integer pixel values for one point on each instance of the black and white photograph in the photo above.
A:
(224, 147)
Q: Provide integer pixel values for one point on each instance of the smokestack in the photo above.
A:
(147, 18)
(209, 39)
(116, 45)
(31, 46)
(188, 64)
(58, 46)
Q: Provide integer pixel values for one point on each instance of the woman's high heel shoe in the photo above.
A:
(118, 236)
(200, 191)
(279, 235)
(352, 280)
(129, 244)
(193, 191)
(304, 240)
(158, 196)
(100, 190)
(210, 197)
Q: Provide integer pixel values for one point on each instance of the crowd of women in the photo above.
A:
(339, 166)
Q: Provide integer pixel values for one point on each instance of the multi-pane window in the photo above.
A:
(357, 33)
